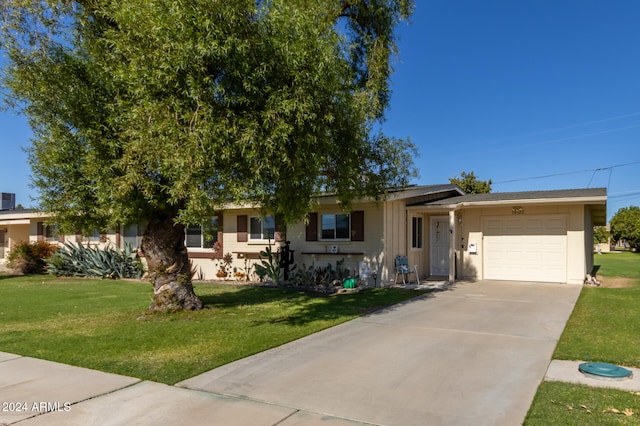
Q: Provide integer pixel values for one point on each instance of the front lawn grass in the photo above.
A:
(105, 325)
(605, 323)
(618, 264)
(604, 326)
(567, 404)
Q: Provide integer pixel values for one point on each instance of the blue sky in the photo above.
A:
(511, 90)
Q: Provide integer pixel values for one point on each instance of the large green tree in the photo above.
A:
(625, 225)
(165, 111)
(601, 234)
(470, 184)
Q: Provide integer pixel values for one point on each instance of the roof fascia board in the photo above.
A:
(17, 215)
(15, 222)
(441, 207)
(564, 200)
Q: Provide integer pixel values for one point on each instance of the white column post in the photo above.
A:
(452, 246)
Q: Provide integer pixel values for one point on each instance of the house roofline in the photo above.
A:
(489, 203)
(393, 194)
(597, 200)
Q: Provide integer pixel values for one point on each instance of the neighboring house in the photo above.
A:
(521, 236)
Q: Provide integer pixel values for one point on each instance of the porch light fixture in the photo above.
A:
(460, 218)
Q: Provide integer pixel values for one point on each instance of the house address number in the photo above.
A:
(517, 210)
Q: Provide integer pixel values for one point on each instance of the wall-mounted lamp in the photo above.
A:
(460, 218)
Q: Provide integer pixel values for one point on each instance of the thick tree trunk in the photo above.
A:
(169, 267)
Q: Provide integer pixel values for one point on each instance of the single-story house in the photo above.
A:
(446, 234)
(28, 225)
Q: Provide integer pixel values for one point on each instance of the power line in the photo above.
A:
(610, 168)
(568, 138)
(498, 141)
(622, 195)
(590, 123)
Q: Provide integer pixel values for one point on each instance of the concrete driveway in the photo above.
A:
(470, 355)
(474, 354)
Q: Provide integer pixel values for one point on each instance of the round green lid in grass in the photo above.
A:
(604, 371)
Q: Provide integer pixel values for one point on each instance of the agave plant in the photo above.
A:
(86, 261)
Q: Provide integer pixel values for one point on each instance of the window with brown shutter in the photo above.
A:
(219, 244)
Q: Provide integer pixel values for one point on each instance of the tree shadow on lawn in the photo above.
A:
(310, 307)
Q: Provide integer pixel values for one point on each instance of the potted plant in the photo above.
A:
(225, 265)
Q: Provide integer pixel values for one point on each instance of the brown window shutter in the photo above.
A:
(357, 225)
(241, 232)
(219, 244)
(280, 233)
(40, 231)
(311, 232)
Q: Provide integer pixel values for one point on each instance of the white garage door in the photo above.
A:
(525, 248)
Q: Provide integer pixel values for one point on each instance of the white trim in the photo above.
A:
(261, 240)
(329, 240)
(15, 222)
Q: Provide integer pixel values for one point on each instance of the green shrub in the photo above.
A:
(30, 258)
(80, 261)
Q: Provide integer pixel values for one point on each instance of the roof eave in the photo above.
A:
(602, 200)
(559, 200)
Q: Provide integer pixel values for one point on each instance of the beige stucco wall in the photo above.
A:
(108, 239)
(387, 233)
(579, 259)
(207, 267)
(14, 235)
(25, 229)
(17, 234)
(317, 253)
(306, 253)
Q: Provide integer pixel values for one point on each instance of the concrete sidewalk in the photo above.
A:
(473, 354)
(37, 392)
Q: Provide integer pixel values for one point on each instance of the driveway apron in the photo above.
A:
(470, 355)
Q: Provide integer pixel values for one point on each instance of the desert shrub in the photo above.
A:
(270, 265)
(316, 276)
(30, 258)
(85, 261)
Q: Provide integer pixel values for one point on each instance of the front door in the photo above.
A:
(439, 246)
